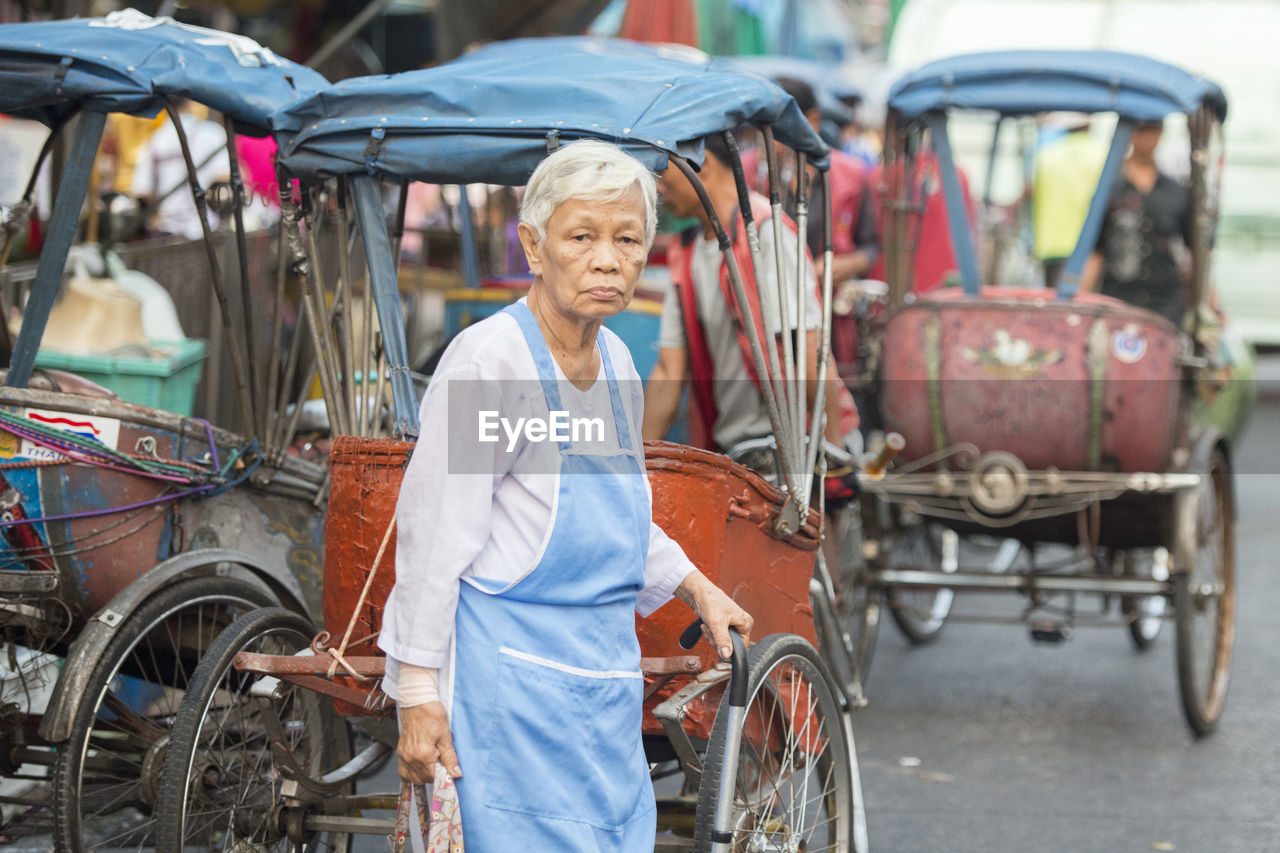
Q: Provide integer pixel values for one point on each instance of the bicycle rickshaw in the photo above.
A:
(1046, 417)
(261, 755)
(132, 534)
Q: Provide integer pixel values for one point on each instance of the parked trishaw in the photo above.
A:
(261, 755)
(132, 535)
(1045, 417)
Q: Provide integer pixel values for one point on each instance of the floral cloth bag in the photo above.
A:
(437, 829)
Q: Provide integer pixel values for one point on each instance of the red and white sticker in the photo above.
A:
(105, 431)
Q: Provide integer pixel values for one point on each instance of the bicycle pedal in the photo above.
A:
(1050, 632)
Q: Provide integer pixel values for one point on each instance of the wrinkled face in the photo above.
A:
(591, 256)
(678, 195)
(1145, 139)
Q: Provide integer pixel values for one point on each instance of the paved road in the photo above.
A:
(988, 742)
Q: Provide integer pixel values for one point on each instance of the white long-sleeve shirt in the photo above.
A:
(473, 509)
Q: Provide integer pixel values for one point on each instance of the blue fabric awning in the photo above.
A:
(128, 62)
(487, 116)
(1032, 81)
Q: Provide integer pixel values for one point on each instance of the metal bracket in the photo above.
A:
(110, 618)
(21, 582)
(672, 712)
(60, 73)
(373, 150)
(788, 520)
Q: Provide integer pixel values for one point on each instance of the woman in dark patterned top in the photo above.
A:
(1142, 255)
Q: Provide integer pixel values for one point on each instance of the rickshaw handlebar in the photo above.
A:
(737, 662)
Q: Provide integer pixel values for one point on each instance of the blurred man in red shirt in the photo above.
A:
(933, 253)
(853, 227)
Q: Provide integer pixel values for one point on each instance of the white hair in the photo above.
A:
(590, 170)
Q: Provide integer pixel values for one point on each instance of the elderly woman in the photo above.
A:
(523, 553)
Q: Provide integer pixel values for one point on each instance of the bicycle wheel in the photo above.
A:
(797, 784)
(921, 613)
(1204, 598)
(857, 602)
(106, 775)
(225, 771)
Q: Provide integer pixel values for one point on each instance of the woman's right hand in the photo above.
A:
(424, 741)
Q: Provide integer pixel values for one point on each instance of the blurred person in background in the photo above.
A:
(854, 240)
(853, 228)
(1142, 254)
(856, 139)
(160, 173)
(701, 338)
(1066, 174)
(122, 142)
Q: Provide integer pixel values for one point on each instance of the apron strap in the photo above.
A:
(547, 371)
(541, 358)
(541, 353)
(615, 395)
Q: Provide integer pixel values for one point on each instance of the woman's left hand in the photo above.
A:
(717, 610)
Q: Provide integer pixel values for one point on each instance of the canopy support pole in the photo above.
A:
(470, 264)
(957, 215)
(246, 291)
(1199, 129)
(801, 398)
(1069, 281)
(781, 429)
(238, 366)
(780, 277)
(817, 426)
(53, 258)
(989, 180)
(753, 243)
(382, 281)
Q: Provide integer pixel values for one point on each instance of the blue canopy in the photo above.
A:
(488, 116)
(1032, 81)
(128, 62)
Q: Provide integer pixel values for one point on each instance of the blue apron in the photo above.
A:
(547, 690)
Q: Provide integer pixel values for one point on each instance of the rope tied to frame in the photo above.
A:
(80, 448)
(290, 217)
(337, 654)
(75, 448)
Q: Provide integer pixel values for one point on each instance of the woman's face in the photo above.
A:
(592, 255)
(1145, 139)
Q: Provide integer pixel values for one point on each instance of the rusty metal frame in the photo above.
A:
(949, 494)
(672, 712)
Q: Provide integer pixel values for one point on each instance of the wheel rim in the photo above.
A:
(1211, 595)
(857, 604)
(233, 781)
(791, 788)
(1147, 612)
(921, 613)
(117, 764)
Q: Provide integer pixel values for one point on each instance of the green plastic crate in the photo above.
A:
(167, 382)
